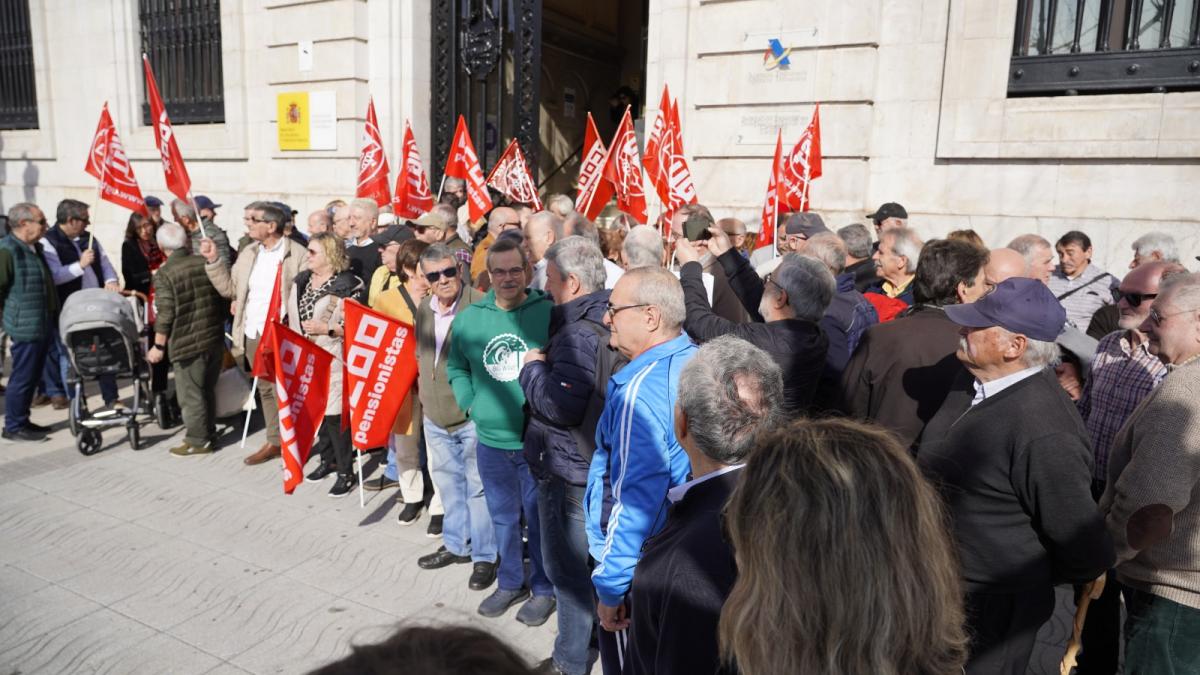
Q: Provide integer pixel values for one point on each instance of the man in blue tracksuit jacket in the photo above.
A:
(637, 456)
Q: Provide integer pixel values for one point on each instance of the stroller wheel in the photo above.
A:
(88, 441)
(135, 435)
(74, 413)
(162, 411)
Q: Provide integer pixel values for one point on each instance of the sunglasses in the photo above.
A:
(449, 273)
(421, 229)
(1134, 299)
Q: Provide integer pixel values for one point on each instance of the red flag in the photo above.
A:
(658, 133)
(623, 169)
(372, 162)
(770, 212)
(511, 177)
(301, 389)
(264, 362)
(164, 136)
(678, 177)
(594, 191)
(412, 197)
(463, 163)
(803, 165)
(380, 367)
(108, 163)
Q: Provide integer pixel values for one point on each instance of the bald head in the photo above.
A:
(503, 218)
(1004, 263)
(1142, 284)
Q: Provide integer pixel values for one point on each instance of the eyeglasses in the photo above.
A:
(449, 273)
(1134, 299)
(769, 280)
(510, 272)
(1157, 318)
(505, 226)
(613, 310)
(85, 221)
(252, 219)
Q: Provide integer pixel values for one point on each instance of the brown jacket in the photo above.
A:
(234, 284)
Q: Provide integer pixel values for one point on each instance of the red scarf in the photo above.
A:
(152, 253)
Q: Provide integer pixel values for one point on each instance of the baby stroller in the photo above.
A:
(102, 335)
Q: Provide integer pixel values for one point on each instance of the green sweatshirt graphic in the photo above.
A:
(486, 355)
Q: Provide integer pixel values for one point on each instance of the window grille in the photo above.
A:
(183, 40)
(18, 92)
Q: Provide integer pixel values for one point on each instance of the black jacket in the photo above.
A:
(557, 389)
(680, 584)
(798, 346)
(865, 274)
(1015, 472)
(901, 371)
(134, 268)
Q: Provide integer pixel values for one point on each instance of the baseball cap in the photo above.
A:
(430, 219)
(203, 202)
(888, 210)
(1018, 305)
(153, 202)
(806, 224)
(393, 233)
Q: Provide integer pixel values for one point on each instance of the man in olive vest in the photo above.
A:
(28, 305)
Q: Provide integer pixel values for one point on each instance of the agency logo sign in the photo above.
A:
(776, 56)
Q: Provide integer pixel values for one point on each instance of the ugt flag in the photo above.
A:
(464, 163)
(802, 166)
(175, 172)
(372, 162)
(594, 191)
(108, 163)
(380, 360)
(412, 197)
(624, 170)
(770, 212)
(511, 177)
(301, 389)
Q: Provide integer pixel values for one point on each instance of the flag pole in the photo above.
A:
(100, 186)
(362, 500)
(249, 407)
(199, 218)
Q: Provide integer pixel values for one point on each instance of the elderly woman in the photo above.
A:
(315, 308)
(404, 465)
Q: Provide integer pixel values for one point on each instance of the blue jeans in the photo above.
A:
(510, 490)
(565, 554)
(1162, 637)
(54, 375)
(28, 360)
(467, 525)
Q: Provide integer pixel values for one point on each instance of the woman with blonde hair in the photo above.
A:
(845, 565)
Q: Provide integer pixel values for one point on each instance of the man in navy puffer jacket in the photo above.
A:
(558, 384)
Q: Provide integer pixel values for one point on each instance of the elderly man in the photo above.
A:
(787, 309)
(858, 255)
(901, 370)
(485, 359)
(896, 262)
(1123, 373)
(1004, 263)
(638, 458)
(541, 231)
(849, 315)
(736, 231)
(319, 221)
(1038, 255)
(727, 393)
(1009, 454)
(1154, 247)
(76, 261)
(794, 235)
(578, 224)
(29, 305)
(888, 216)
(1080, 286)
(249, 285)
(198, 230)
(697, 222)
(643, 247)
(501, 218)
(1152, 500)
(154, 208)
(449, 235)
(341, 219)
(560, 205)
(564, 385)
(188, 324)
(362, 250)
(450, 437)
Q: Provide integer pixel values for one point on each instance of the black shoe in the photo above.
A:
(381, 483)
(344, 485)
(434, 531)
(411, 512)
(27, 435)
(441, 558)
(548, 667)
(323, 469)
(37, 428)
(483, 574)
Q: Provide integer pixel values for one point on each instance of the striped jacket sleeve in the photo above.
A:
(640, 474)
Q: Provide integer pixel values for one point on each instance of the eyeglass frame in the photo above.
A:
(1157, 318)
(613, 310)
(1142, 297)
(436, 275)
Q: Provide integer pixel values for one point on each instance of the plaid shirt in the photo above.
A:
(1122, 375)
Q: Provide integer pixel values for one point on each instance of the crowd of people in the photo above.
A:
(863, 452)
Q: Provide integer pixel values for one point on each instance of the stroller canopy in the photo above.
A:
(97, 308)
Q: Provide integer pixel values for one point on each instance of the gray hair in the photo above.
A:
(905, 242)
(1160, 242)
(183, 209)
(583, 227)
(1039, 354)
(656, 287)
(21, 212)
(1028, 245)
(453, 183)
(561, 205)
(829, 249)
(1185, 290)
(578, 256)
(808, 283)
(170, 236)
(551, 220)
(858, 240)
(643, 247)
(448, 213)
(437, 253)
(729, 390)
(367, 205)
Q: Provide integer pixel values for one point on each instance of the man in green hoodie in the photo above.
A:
(491, 338)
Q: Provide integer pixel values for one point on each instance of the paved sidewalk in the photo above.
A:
(141, 562)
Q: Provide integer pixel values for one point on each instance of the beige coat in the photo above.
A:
(330, 309)
(234, 284)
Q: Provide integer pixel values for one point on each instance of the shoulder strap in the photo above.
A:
(412, 306)
(608, 361)
(1075, 290)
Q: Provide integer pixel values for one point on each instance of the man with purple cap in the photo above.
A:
(1009, 454)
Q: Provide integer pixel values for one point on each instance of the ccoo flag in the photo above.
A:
(372, 162)
(301, 389)
(108, 163)
(264, 361)
(175, 172)
(770, 212)
(380, 360)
